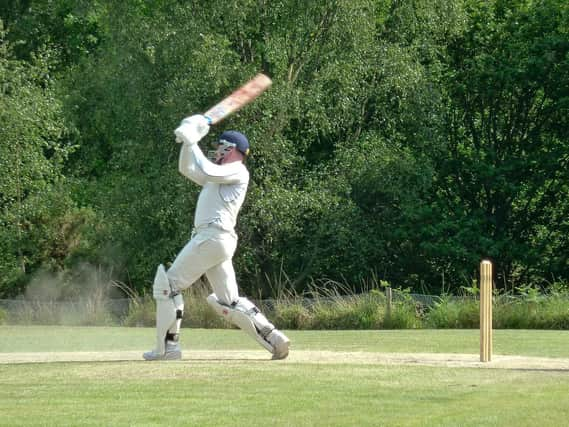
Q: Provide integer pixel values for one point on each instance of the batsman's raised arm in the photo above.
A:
(190, 131)
(188, 167)
(195, 166)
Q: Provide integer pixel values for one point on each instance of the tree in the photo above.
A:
(502, 185)
(34, 197)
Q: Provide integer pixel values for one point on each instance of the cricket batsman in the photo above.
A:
(210, 251)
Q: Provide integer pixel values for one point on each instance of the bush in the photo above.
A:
(403, 312)
(453, 312)
(292, 315)
(557, 310)
(328, 309)
(533, 310)
(349, 312)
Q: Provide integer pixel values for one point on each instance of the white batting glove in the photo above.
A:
(192, 129)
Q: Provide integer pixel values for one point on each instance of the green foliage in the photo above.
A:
(454, 313)
(291, 314)
(41, 225)
(503, 181)
(532, 309)
(404, 312)
(328, 308)
(400, 140)
(525, 308)
(70, 29)
(360, 313)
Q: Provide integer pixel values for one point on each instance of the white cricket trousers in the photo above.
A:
(209, 252)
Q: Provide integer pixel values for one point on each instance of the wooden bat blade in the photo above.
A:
(238, 99)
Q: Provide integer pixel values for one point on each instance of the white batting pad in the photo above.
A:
(169, 309)
(161, 288)
(247, 317)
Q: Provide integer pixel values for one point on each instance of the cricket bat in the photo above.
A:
(238, 99)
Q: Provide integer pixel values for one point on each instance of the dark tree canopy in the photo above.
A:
(400, 141)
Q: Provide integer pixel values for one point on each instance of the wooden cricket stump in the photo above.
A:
(485, 311)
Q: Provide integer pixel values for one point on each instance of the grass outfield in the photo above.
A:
(239, 386)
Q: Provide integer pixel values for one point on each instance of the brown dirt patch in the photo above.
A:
(449, 360)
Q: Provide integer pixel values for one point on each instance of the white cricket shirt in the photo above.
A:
(223, 188)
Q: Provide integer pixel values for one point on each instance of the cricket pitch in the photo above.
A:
(448, 360)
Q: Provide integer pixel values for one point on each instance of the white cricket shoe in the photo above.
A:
(173, 352)
(280, 344)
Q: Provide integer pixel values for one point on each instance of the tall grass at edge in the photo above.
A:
(525, 307)
(333, 305)
(326, 305)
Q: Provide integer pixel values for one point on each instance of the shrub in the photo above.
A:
(403, 312)
(453, 312)
(530, 309)
(370, 310)
(331, 306)
(557, 313)
(292, 314)
(348, 312)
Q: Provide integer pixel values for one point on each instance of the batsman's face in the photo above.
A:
(223, 149)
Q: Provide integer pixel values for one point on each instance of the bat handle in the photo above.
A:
(209, 120)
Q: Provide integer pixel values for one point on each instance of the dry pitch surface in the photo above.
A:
(449, 360)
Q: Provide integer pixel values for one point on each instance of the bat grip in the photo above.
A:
(209, 120)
